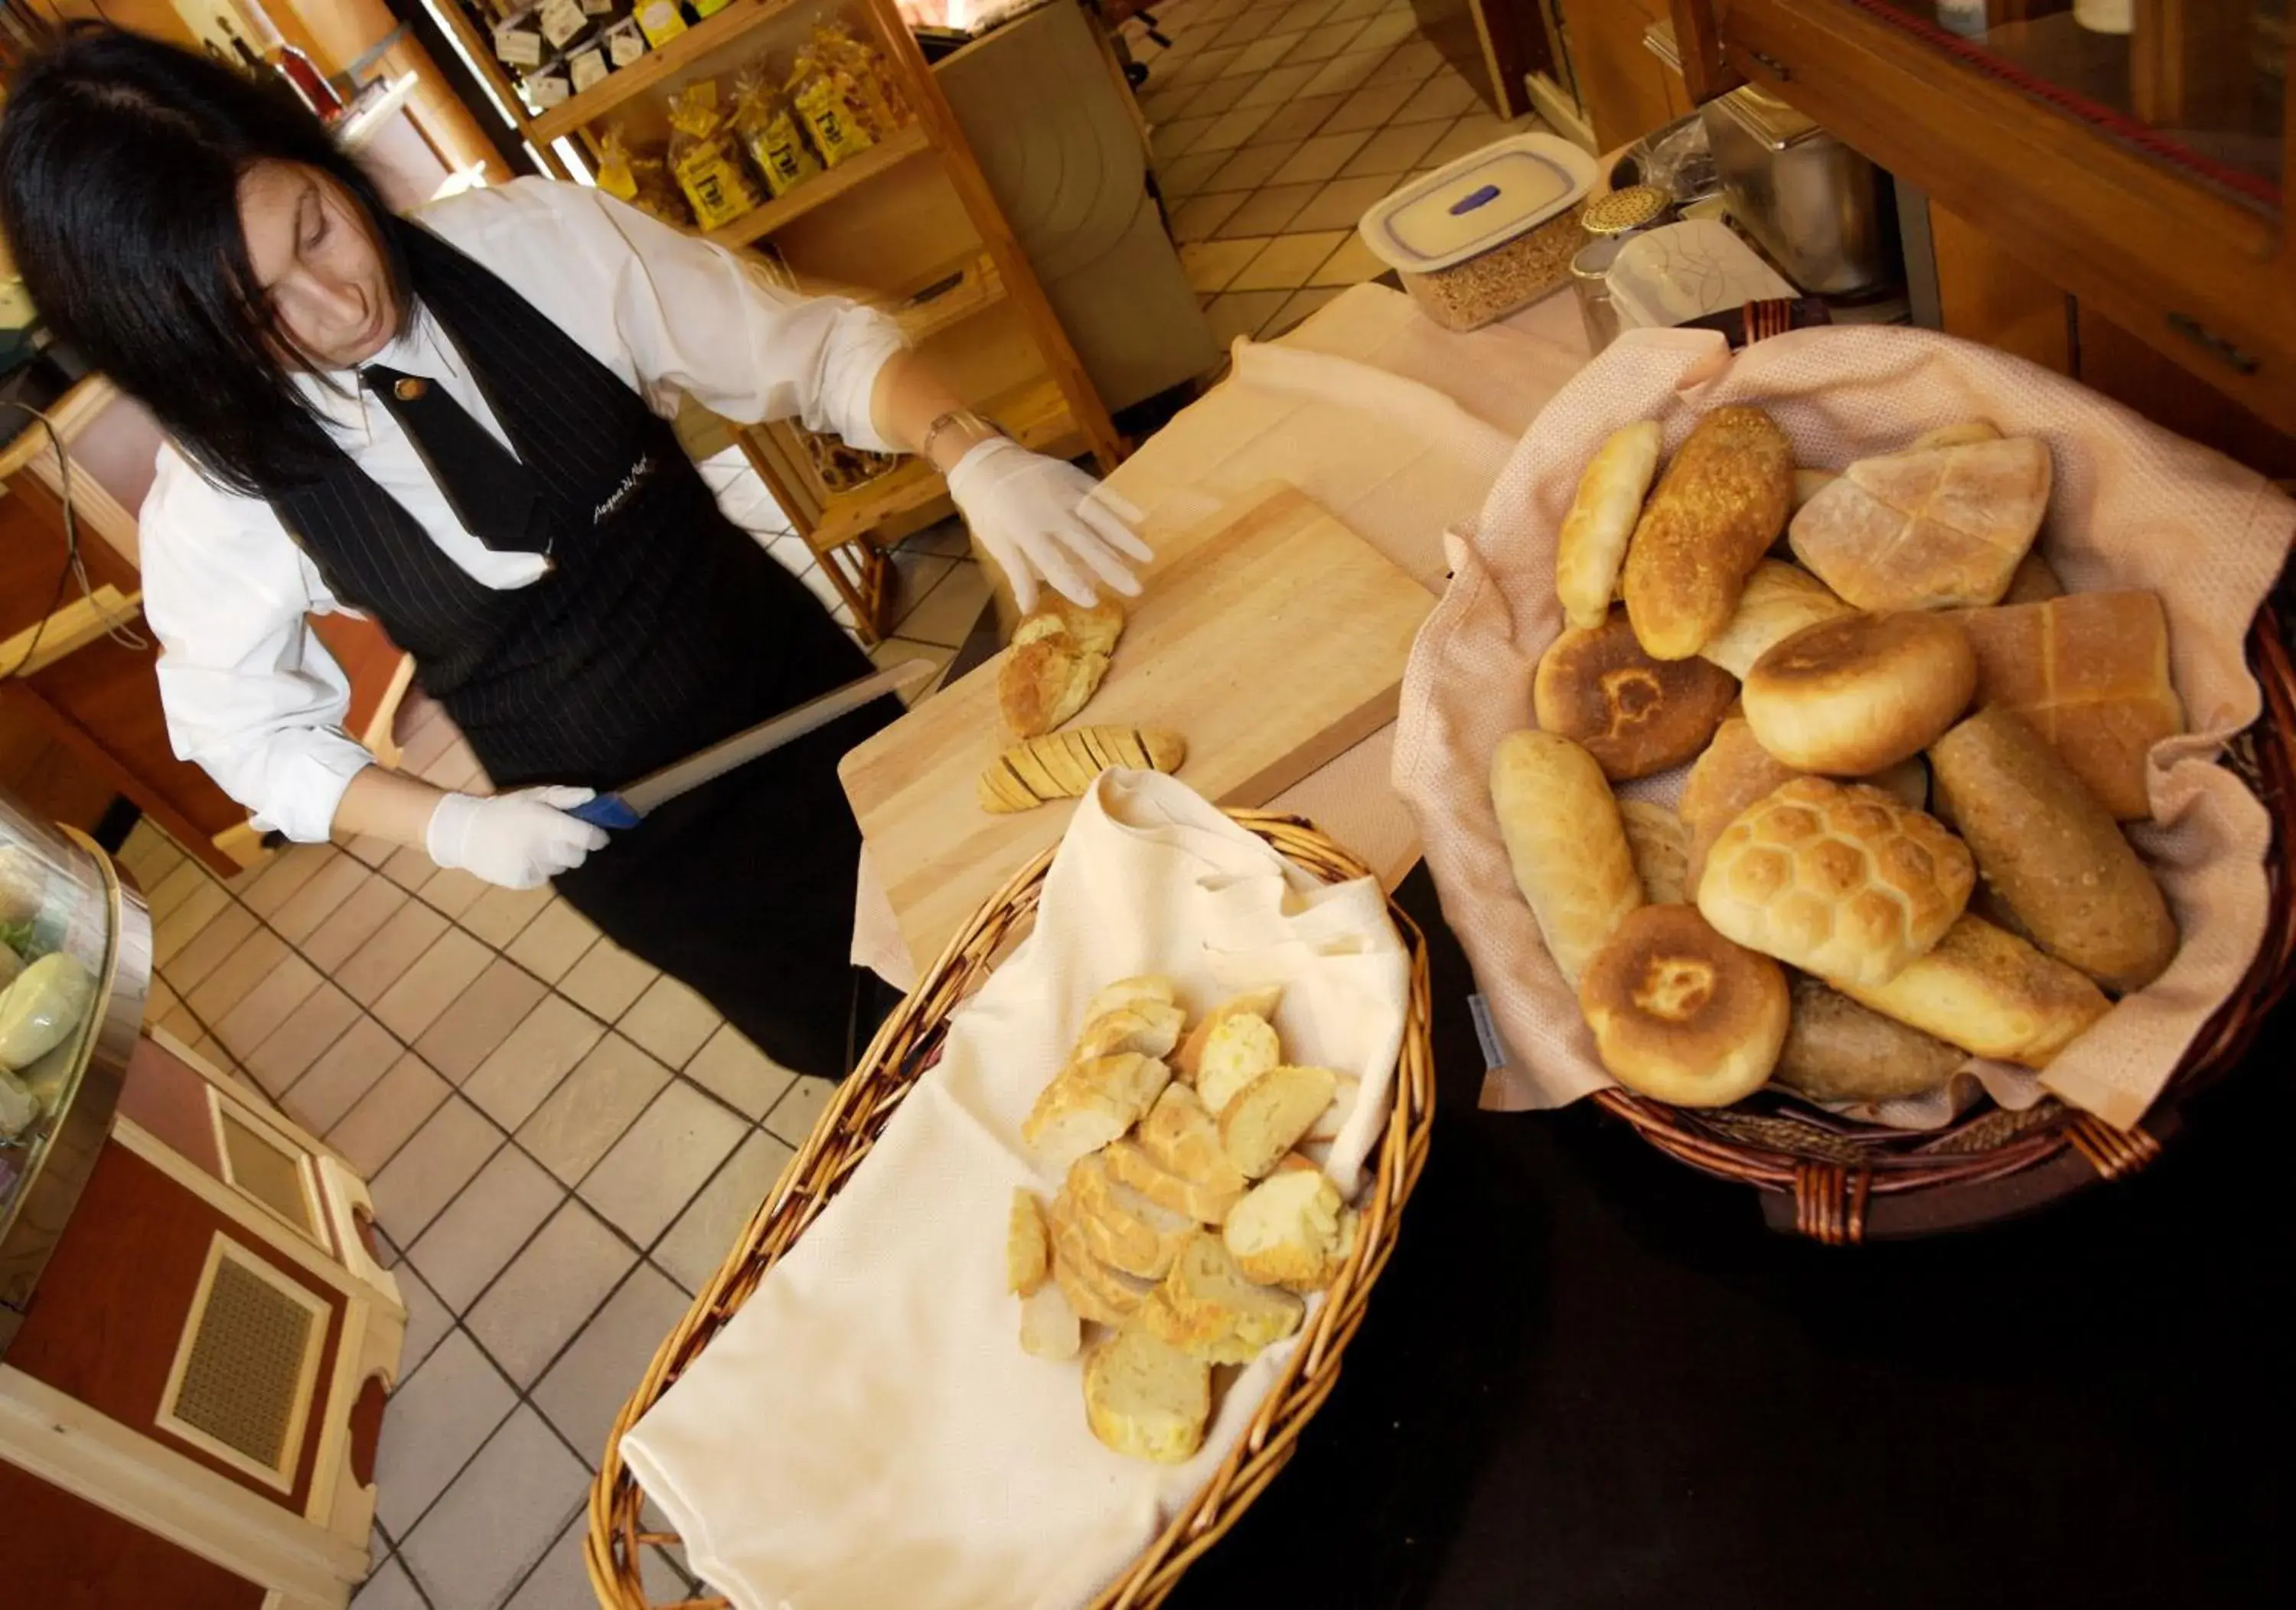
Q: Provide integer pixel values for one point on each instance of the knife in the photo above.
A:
(627, 807)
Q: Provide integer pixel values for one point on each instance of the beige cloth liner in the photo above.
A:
(867, 1432)
(1392, 423)
(2133, 506)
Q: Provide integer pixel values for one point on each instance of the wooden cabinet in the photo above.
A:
(2141, 170)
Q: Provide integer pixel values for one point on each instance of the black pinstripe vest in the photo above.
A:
(662, 626)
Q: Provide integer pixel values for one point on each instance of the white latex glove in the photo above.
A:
(1041, 517)
(518, 840)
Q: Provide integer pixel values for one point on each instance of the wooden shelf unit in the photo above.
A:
(1035, 415)
(627, 84)
(759, 222)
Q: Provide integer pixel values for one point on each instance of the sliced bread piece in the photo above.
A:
(1073, 1117)
(1146, 1399)
(1257, 1003)
(1292, 1229)
(1208, 1306)
(1241, 1047)
(1270, 1115)
(1130, 1080)
(1028, 1244)
(1049, 1326)
(1147, 1028)
(1207, 1337)
(1181, 1136)
(1125, 1229)
(1130, 992)
(1098, 1291)
(1131, 1164)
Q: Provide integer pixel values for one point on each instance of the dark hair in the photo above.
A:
(121, 158)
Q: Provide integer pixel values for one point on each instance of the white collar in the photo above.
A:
(341, 403)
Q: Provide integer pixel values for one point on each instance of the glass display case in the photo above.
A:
(75, 966)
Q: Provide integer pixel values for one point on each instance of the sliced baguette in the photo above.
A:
(1240, 1048)
(1098, 1292)
(1090, 1103)
(1130, 992)
(1210, 1308)
(1147, 1028)
(1132, 1164)
(1124, 1228)
(1028, 1244)
(1292, 1229)
(1146, 1399)
(1050, 1327)
(1272, 1114)
(1181, 1136)
(1259, 1003)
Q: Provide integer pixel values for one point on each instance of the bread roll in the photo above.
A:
(1045, 681)
(1149, 1028)
(2090, 671)
(2033, 582)
(1095, 626)
(1593, 543)
(1661, 846)
(1853, 696)
(1717, 509)
(1567, 842)
(1907, 782)
(1735, 771)
(1837, 1051)
(2052, 854)
(1808, 483)
(1633, 713)
(1779, 600)
(1681, 1014)
(1835, 878)
(1989, 992)
(1932, 529)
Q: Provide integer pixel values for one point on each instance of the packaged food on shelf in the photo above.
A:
(625, 43)
(703, 9)
(562, 22)
(518, 41)
(701, 158)
(586, 67)
(768, 133)
(874, 91)
(660, 21)
(821, 95)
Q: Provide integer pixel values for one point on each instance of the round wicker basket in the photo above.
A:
(1838, 1182)
(908, 1044)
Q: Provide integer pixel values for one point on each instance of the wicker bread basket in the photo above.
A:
(909, 1043)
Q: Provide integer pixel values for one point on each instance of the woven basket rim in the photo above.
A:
(903, 1050)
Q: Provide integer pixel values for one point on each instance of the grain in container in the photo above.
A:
(1489, 234)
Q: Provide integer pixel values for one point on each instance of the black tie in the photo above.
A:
(490, 492)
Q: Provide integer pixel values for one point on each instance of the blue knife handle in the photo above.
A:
(605, 811)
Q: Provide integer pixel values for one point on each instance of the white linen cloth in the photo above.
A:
(867, 1432)
(250, 694)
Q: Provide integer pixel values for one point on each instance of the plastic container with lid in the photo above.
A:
(1489, 233)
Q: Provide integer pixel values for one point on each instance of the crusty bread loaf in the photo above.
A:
(1592, 541)
(1148, 1028)
(1837, 1051)
(1050, 1326)
(1681, 1014)
(1987, 990)
(1735, 771)
(1851, 696)
(1268, 1116)
(1567, 842)
(1210, 1309)
(2090, 671)
(2053, 854)
(1239, 1048)
(2033, 582)
(1028, 1243)
(1181, 1136)
(1633, 713)
(1090, 1103)
(1835, 878)
(1045, 681)
(1931, 529)
(1131, 992)
(1146, 1399)
(1095, 626)
(1131, 1164)
(1292, 1229)
(1123, 1227)
(1660, 844)
(1779, 600)
(1717, 508)
(1062, 765)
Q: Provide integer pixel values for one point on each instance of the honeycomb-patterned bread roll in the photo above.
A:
(1838, 879)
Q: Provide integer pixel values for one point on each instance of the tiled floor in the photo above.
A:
(562, 1142)
(1274, 123)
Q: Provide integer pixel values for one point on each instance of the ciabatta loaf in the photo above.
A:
(1292, 1229)
(1062, 765)
(1045, 681)
(1146, 1399)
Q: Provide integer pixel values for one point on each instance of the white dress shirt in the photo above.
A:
(250, 694)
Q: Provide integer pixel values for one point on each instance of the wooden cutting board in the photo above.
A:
(1273, 638)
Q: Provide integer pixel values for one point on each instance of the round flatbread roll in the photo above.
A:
(1681, 1014)
(1852, 696)
(1635, 714)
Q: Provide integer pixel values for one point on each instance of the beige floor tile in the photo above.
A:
(437, 1162)
(1347, 9)
(1319, 159)
(1341, 203)
(657, 1168)
(607, 980)
(550, 945)
(177, 887)
(427, 1320)
(1289, 261)
(159, 1000)
(1352, 264)
(1210, 265)
(498, 915)
(422, 747)
(499, 1518)
(1200, 218)
(1183, 178)
(1241, 312)
(1306, 14)
(550, 1291)
(527, 1067)
(171, 934)
(209, 949)
(455, 771)
(705, 1232)
(1468, 133)
(1172, 141)
(1235, 127)
(453, 891)
(260, 1014)
(1394, 150)
(430, 984)
(236, 977)
(353, 923)
(321, 896)
(591, 1108)
(149, 853)
(381, 1121)
(561, 1581)
(586, 1388)
(1252, 166)
(946, 614)
(1268, 211)
(216, 1054)
(798, 1111)
(481, 1229)
(1322, 44)
(1293, 311)
(1219, 96)
(287, 1054)
(1278, 89)
(1350, 69)
(402, 940)
(1369, 108)
(370, 848)
(410, 867)
(1262, 54)
(738, 1073)
(916, 572)
(1445, 96)
(670, 1021)
(1205, 65)
(439, 1416)
(344, 1072)
(479, 1019)
(1296, 120)
(1395, 27)
(289, 871)
(1408, 63)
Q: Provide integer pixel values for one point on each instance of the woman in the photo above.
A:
(455, 428)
